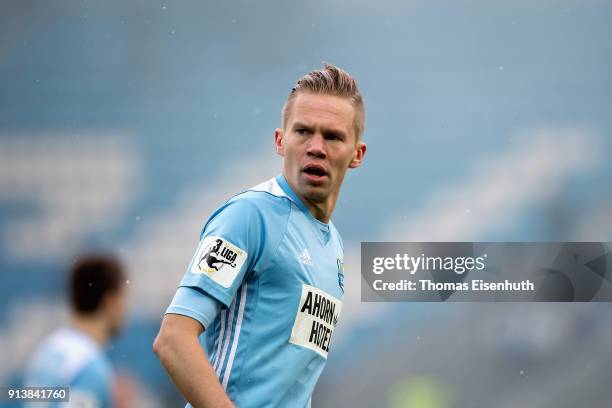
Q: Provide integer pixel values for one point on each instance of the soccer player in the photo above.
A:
(252, 319)
(73, 356)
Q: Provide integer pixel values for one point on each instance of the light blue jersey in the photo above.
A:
(267, 284)
(71, 358)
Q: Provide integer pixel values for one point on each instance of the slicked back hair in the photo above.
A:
(91, 278)
(333, 81)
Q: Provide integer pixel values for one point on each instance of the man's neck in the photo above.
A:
(321, 211)
(92, 326)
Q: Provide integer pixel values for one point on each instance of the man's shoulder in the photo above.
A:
(61, 357)
(98, 368)
(254, 208)
(267, 199)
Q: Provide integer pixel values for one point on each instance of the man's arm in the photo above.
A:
(180, 353)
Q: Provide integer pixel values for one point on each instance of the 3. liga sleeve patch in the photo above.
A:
(315, 320)
(218, 259)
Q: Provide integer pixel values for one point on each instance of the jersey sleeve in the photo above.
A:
(236, 240)
(192, 302)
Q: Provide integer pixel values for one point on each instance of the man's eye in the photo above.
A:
(301, 131)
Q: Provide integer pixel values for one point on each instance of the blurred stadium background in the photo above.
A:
(123, 125)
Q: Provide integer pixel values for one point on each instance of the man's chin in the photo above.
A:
(315, 194)
(313, 191)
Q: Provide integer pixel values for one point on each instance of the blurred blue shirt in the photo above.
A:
(69, 357)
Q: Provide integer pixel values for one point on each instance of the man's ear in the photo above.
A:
(358, 155)
(279, 141)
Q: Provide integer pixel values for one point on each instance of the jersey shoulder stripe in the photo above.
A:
(270, 186)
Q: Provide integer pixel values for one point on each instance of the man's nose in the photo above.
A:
(316, 147)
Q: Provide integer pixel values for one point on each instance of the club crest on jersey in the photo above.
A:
(340, 263)
(219, 259)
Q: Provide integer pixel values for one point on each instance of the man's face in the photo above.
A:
(116, 309)
(318, 145)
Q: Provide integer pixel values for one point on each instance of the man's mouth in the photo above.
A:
(315, 172)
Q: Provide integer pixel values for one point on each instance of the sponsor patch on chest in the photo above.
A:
(315, 320)
(219, 259)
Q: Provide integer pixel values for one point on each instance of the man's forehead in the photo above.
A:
(322, 108)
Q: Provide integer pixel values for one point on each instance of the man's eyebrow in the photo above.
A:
(336, 132)
(301, 125)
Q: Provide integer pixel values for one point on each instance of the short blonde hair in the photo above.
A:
(333, 81)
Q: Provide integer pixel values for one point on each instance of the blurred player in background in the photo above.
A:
(74, 356)
(266, 283)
